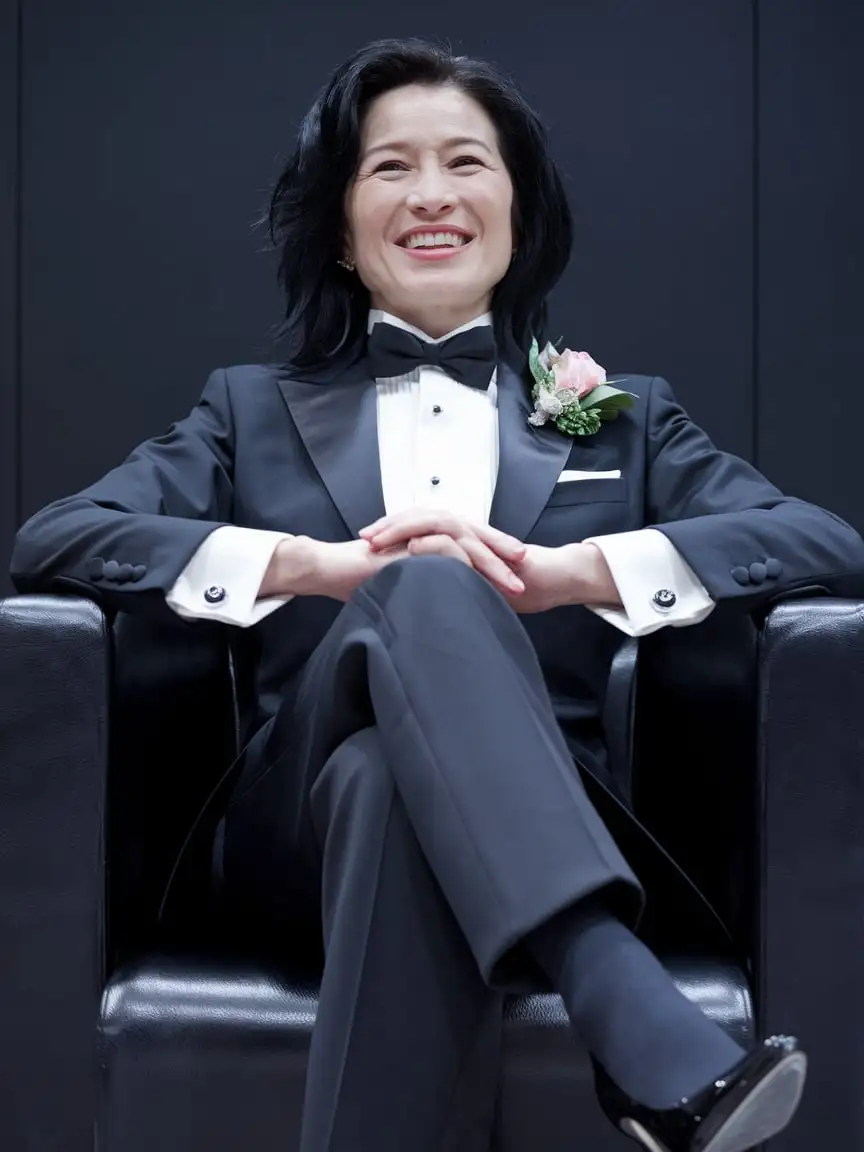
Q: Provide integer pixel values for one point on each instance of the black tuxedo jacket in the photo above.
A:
(268, 447)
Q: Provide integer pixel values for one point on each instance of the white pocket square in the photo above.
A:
(566, 476)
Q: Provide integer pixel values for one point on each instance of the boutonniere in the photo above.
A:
(571, 390)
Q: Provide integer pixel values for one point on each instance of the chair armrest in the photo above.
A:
(53, 766)
(811, 768)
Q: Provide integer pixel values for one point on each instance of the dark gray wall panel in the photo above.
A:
(811, 250)
(8, 282)
(150, 147)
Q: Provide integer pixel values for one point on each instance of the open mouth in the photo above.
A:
(434, 241)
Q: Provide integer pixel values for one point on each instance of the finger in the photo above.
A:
(490, 565)
(394, 553)
(507, 547)
(420, 522)
(400, 518)
(413, 523)
(380, 560)
(439, 546)
(375, 525)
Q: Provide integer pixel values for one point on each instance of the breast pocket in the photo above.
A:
(607, 491)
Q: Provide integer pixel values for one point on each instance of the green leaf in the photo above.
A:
(606, 397)
(534, 362)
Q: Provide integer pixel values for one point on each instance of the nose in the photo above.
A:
(432, 192)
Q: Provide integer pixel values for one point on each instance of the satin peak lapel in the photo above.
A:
(337, 418)
(530, 459)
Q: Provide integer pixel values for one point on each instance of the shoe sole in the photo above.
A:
(765, 1112)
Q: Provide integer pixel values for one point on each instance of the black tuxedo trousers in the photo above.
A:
(418, 796)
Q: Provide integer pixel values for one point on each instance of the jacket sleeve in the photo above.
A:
(741, 536)
(125, 540)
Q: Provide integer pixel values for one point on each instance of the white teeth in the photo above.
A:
(436, 240)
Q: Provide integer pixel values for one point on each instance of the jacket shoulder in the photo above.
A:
(631, 382)
(246, 376)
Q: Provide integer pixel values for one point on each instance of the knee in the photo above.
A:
(433, 596)
(423, 576)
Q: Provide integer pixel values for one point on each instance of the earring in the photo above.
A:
(348, 265)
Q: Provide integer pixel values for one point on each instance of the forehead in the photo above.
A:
(421, 114)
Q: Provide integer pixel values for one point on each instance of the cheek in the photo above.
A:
(498, 214)
(365, 220)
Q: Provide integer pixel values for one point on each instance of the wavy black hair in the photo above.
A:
(326, 307)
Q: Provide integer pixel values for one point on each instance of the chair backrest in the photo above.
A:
(175, 732)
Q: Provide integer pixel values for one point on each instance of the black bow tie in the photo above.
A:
(468, 357)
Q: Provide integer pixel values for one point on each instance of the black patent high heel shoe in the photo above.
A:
(754, 1101)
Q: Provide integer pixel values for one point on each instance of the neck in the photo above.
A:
(435, 322)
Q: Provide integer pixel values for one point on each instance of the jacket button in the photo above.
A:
(139, 571)
(741, 575)
(215, 594)
(95, 568)
(111, 569)
(758, 572)
(773, 568)
(124, 574)
(664, 600)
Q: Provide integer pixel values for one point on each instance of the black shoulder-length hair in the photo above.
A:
(326, 306)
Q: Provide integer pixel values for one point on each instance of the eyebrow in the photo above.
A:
(453, 142)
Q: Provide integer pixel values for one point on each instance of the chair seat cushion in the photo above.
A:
(221, 1048)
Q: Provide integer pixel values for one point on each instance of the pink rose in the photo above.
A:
(577, 372)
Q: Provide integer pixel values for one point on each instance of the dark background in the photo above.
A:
(713, 154)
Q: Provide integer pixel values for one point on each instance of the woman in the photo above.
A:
(383, 510)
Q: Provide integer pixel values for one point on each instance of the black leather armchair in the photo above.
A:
(137, 1023)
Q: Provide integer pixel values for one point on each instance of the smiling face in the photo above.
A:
(429, 215)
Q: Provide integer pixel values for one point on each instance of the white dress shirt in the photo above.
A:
(431, 425)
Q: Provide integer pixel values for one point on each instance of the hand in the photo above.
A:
(428, 531)
(571, 574)
(305, 567)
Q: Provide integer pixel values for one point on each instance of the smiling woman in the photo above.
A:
(404, 144)
(439, 529)
(429, 223)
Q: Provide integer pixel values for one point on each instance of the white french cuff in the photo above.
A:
(222, 579)
(657, 586)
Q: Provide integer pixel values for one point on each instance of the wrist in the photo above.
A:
(292, 569)
(591, 583)
(601, 589)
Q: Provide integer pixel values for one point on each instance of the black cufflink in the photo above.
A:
(664, 600)
(215, 594)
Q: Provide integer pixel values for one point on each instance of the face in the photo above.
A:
(429, 214)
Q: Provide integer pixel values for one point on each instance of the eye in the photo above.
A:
(465, 161)
(391, 166)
